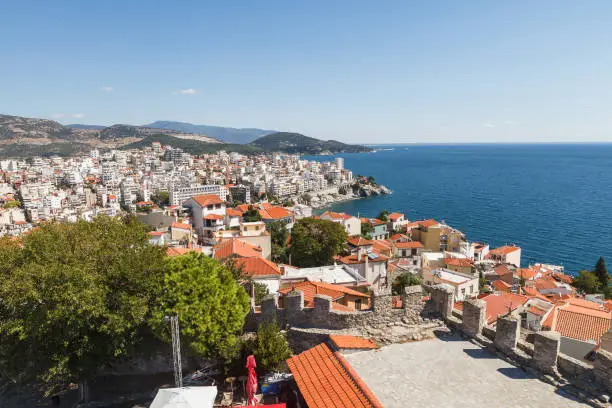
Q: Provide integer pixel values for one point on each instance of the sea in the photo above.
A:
(553, 200)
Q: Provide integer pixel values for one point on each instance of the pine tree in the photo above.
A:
(602, 272)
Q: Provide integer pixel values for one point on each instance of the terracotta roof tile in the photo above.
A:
(500, 304)
(258, 266)
(458, 262)
(504, 250)
(501, 286)
(327, 380)
(181, 251)
(352, 342)
(359, 241)
(233, 212)
(310, 289)
(574, 323)
(395, 216)
(180, 225)
(408, 245)
(213, 217)
(233, 246)
(207, 199)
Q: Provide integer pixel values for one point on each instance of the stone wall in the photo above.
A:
(414, 310)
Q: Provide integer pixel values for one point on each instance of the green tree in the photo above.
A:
(602, 273)
(315, 242)
(278, 235)
(271, 347)
(11, 204)
(371, 180)
(251, 215)
(161, 198)
(587, 282)
(366, 230)
(210, 304)
(74, 298)
(261, 291)
(403, 280)
(383, 216)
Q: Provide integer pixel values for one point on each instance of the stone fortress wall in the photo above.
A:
(421, 307)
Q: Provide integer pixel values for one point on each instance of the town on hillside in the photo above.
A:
(353, 295)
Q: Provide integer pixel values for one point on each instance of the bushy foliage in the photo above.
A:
(271, 348)
(315, 242)
(251, 215)
(210, 304)
(403, 280)
(74, 298)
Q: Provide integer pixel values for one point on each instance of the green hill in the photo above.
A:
(191, 146)
(296, 143)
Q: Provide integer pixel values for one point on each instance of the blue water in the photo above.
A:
(554, 201)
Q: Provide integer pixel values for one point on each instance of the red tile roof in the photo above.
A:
(501, 270)
(327, 380)
(536, 311)
(180, 225)
(504, 250)
(500, 304)
(258, 266)
(501, 286)
(207, 199)
(526, 273)
(359, 241)
(581, 323)
(156, 233)
(543, 283)
(458, 262)
(213, 217)
(408, 245)
(428, 223)
(233, 246)
(275, 213)
(335, 215)
(233, 212)
(310, 289)
(181, 251)
(352, 342)
(354, 259)
(395, 216)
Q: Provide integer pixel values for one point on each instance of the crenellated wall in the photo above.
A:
(323, 315)
(542, 357)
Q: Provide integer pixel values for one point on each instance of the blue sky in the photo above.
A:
(359, 71)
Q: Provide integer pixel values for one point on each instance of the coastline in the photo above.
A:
(328, 197)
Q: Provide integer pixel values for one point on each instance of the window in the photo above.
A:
(463, 291)
(357, 304)
(471, 289)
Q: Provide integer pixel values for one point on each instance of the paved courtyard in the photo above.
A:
(450, 372)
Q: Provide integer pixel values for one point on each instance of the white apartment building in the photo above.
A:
(179, 195)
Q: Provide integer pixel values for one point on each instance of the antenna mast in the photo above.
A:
(176, 351)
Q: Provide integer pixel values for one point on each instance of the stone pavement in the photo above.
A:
(449, 372)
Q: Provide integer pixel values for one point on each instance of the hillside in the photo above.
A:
(191, 146)
(225, 134)
(23, 137)
(85, 127)
(296, 143)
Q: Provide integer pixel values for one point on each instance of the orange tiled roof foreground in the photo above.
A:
(504, 250)
(352, 342)
(326, 380)
(577, 322)
(501, 304)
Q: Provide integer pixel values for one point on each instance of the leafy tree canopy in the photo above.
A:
(251, 215)
(278, 235)
(383, 216)
(587, 282)
(403, 280)
(366, 230)
(271, 347)
(315, 242)
(74, 298)
(161, 198)
(210, 304)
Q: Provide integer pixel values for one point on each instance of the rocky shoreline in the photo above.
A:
(352, 192)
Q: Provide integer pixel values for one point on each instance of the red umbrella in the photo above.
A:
(251, 385)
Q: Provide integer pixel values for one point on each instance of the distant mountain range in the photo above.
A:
(22, 137)
(225, 134)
